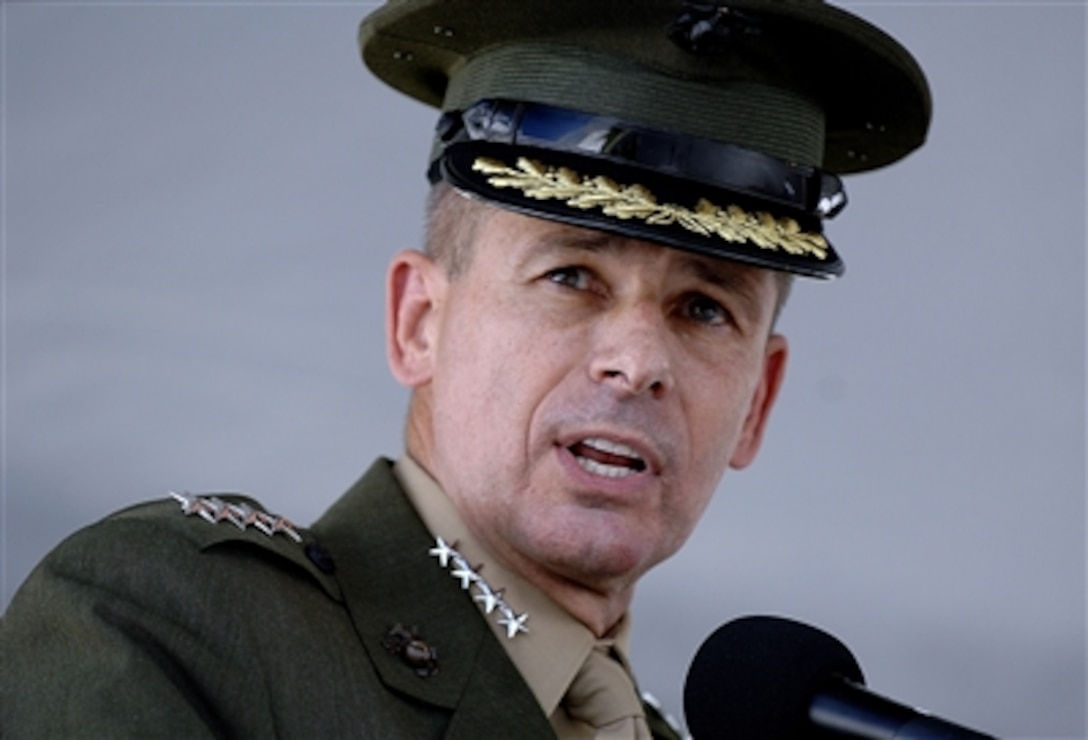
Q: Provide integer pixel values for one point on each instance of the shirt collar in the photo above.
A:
(557, 644)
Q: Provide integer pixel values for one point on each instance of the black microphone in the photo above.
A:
(770, 678)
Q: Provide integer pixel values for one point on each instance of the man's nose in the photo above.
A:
(632, 352)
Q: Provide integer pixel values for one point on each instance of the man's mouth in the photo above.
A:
(606, 458)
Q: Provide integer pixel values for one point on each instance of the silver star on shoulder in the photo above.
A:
(189, 504)
(263, 522)
(213, 506)
(225, 512)
(490, 599)
(279, 524)
(242, 516)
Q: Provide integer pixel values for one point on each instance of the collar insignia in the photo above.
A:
(489, 598)
(407, 643)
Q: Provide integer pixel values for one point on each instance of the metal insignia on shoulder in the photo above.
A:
(214, 509)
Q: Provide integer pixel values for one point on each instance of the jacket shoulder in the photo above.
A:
(182, 618)
(185, 527)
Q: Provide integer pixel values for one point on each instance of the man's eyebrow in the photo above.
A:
(583, 240)
(741, 282)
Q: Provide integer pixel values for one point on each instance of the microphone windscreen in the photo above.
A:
(756, 677)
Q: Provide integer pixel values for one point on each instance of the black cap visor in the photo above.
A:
(704, 196)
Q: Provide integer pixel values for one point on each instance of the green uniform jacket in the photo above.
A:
(153, 623)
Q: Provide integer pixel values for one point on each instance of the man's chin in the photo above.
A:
(600, 549)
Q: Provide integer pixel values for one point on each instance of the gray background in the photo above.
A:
(199, 203)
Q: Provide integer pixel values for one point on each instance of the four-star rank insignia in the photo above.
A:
(490, 599)
(214, 509)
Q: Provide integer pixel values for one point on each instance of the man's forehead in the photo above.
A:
(718, 271)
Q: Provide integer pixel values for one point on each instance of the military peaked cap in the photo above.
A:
(716, 127)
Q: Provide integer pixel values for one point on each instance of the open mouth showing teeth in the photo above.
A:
(607, 459)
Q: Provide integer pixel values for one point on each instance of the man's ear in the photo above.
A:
(414, 288)
(774, 370)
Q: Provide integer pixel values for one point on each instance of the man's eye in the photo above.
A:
(706, 311)
(571, 277)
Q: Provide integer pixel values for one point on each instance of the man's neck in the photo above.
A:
(599, 609)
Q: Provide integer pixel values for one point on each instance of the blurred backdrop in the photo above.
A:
(199, 201)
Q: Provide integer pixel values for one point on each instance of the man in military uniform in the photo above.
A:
(621, 194)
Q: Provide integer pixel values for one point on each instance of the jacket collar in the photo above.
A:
(381, 548)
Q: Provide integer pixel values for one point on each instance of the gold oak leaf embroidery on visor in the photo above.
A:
(733, 224)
